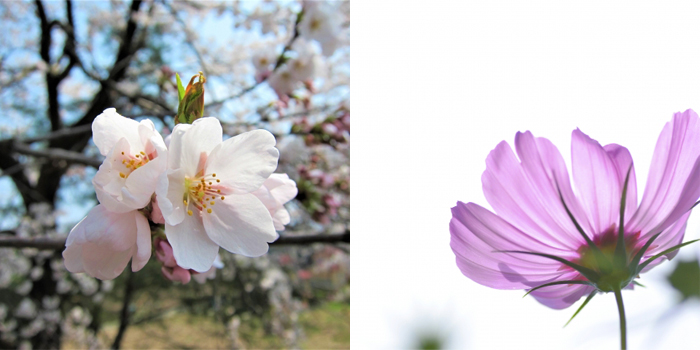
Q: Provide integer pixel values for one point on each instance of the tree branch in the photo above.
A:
(60, 243)
(59, 134)
(58, 153)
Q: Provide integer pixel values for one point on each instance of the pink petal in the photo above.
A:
(101, 261)
(156, 214)
(282, 188)
(176, 274)
(143, 244)
(671, 236)
(245, 161)
(240, 224)
(524, 195)
(561, 296)
(673, 184)
(280, 218)
(73, 258)
(191, 246)
(597, 181)
(478, 234)
(114, 230)
(622, 159)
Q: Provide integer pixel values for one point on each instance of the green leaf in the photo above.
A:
(180, 88)
(685, 278)
(590, 296)
(674, 248)
(557, 283)
(586, 272)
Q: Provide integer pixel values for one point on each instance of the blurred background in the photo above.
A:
(282, 66)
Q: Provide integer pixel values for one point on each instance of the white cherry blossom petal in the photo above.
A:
(245, 161)
(240, 224)
(110, 126)
(192, 248)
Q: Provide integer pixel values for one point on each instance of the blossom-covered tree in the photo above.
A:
(281, 67)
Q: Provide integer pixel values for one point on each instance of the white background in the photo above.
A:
(435, 87)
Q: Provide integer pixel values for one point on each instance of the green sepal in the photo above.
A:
(597, 253)
(669, 250)
(557, 283)
(590, 296)
(620, 257)
(191, 105)
(180, 88)
(638, 284)
(586, 272)
(638, 257)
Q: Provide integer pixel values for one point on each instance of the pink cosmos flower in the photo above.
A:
(275, 191)
(135, 157)
(205, 195)
(546, 232)
(103, 243)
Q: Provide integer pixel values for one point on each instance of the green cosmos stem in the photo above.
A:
(623, 322)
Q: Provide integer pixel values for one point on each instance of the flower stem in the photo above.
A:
(623, 323)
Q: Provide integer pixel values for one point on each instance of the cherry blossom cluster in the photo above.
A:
(187, 196)
(320, 26)
(321, 192)
(333, 129)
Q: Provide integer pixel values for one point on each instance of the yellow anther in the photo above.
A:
(122, 175)
(209, 183)
(128, 166)
(222, 198)
(189, 212)
(184, 201)
(209, 210)
(204, 205)
(217, 180)
(122, 153)
(212, 202)
(214, 174)
(142, 153)
(123, 161)
(218, 191)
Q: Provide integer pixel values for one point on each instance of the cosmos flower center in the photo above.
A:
(607, 242)
(202, 193)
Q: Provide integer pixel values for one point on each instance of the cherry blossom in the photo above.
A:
(103, 243)
(135, 156)
(205, 195)
(322, 22)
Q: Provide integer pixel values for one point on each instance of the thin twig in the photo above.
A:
(124, 316)
(278, 64)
